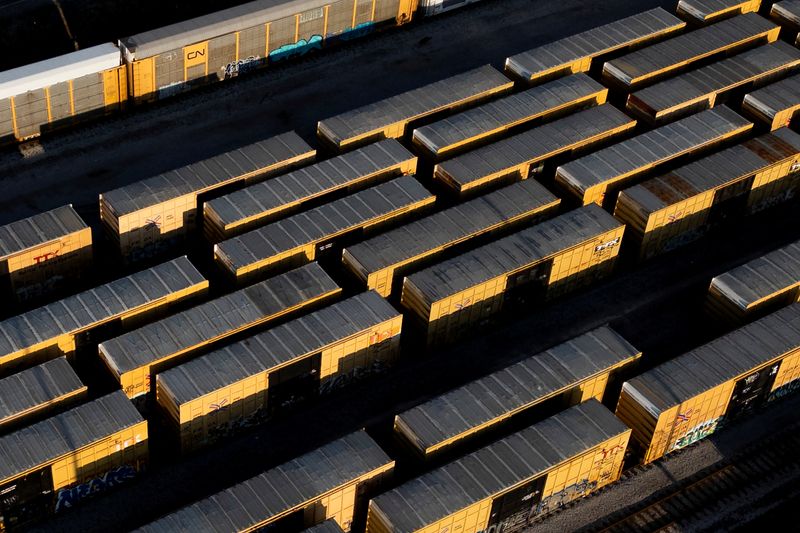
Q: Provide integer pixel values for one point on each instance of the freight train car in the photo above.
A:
(31, 393)
(60, 91)
(301, 238)
(774, 105)
(503, 486)
(693, 395)
(787, 14)
(534, 264)
(234, 213)
(706, 11)
(135, 357)
(44, 252)
(57, 328)
(573, 372)
(668, 211)
(714, 84)
(516, 157)
(476, 126)
(648, 65)
(328, 526)
(391, 117)
(578, 53)
(758, 286)
(251, 379)
(147, 217)
(54, 464)
(334, 481)
(224, 44)
(597, 177)
(382, 261)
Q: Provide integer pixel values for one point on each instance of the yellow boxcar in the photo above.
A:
(776, 104)
(382, 261)
(787, 14)
(681, 206)
(53, 465)
(758, 286)
(44, 252)
(61, 91)
(565, 57)
(705, 11)
(247, 381)
(598, 177)
(148, 217)
(54, 329)
(562, 376)
(505, 485)
(693, 395)
(331, 482)
(538, 263)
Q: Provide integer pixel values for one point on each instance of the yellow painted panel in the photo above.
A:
(195, 54)
(143, 77)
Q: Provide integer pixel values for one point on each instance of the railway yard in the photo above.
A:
(517, 266)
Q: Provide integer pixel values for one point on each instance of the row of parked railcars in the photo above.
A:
(776, 104)
(703, 12)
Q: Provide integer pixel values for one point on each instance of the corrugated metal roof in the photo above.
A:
(222, 22)
(412, 104)
(59, 69)
(715, 170)
(59, 435)
(450, 225)
(511, 253)
(717, 362)
(81, 311)
(328, 526)
(762, 277)
(775, 97)
(39, 229)
(518, 386)
(701, 10)
(510, 110)
(594, 42)
(36, 386)
(283, 488)
(788, 10)
(280, 193)
(322, 222)
(275, 347)
(498, 467)
(682, 50)
(533, 145)
(222, 316)
(207, 174)
(651, 148)
(717, 77)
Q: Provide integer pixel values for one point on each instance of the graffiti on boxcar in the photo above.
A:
(607, 461)
(299, 48)
(242, 66)
(358, 31)
(566, 495)
(784, 390)
(698, 432)
(343, 380)
(68, 497)
(772, 200)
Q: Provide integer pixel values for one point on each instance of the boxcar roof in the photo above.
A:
(285, 487)
(717, 362)
(648, 149)
(332, 174)
(497, 395)
(38, 229)
(596, 41)
(207, 321)
(37, 386)
(259, 353)
(509, 110)
(82, 310)
(209, 173)
(719, 76)
(534, 145)
(498, 467)
(688, 47)
(787, 10)
(457, 222)
(413, 103)
(198, 29)
(512, 253)
(776, 96)
(58, 69)
(326, 220)
(328, 526)
(762, 277)
(701, 10)
(59, 435)
(715, 170)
